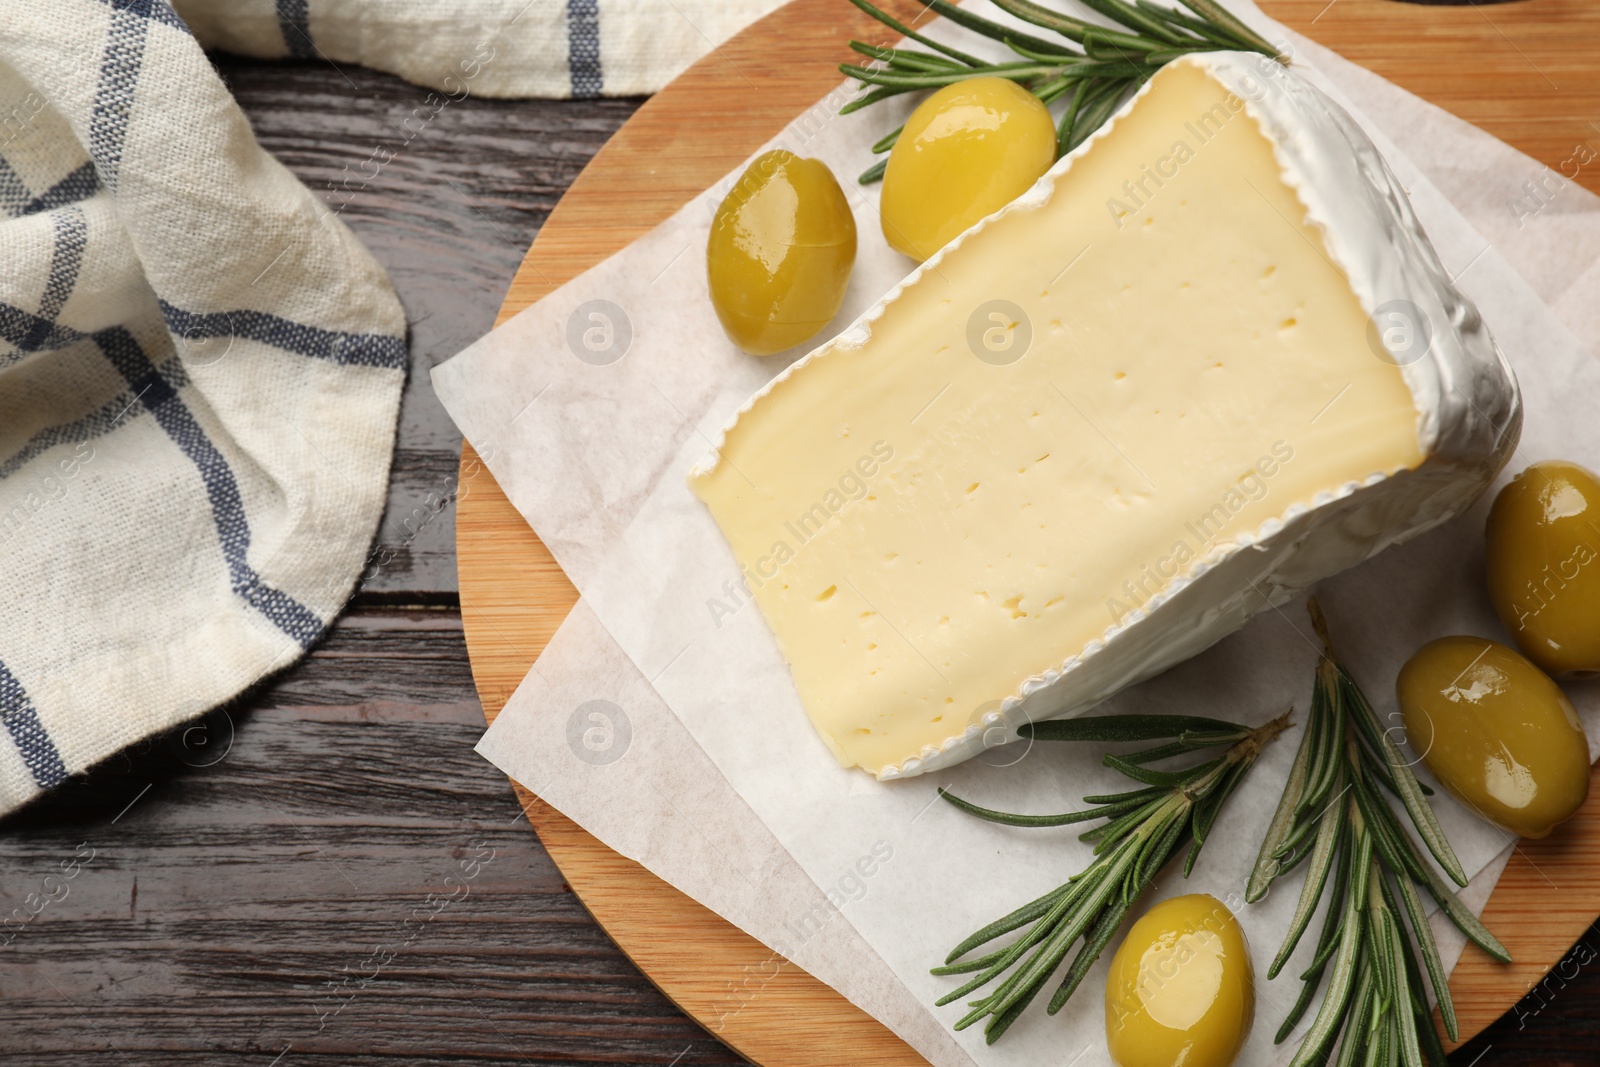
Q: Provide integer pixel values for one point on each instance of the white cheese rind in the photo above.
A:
(1465, 395)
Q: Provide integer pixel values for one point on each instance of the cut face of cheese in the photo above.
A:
(1026, 478)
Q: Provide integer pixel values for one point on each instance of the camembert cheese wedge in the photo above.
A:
(1208, 360)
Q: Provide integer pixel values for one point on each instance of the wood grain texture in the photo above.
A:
(333, 874)
(1523, 71)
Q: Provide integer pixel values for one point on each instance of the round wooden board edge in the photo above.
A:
(514, 596)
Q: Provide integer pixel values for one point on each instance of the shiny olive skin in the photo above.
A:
(780, 253)
(967, 151)
(1181, 990)
(1496, 732)
(1543, 542)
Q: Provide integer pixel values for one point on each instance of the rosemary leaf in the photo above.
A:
(1405, 1021)
(895, 25)
(1065, 61)
(1287, 864)
(1417, 1002)
(1329, 941)
(1380, 935)
(1361, 836)
(1307, 991)
(1409, 789)
(1131, 16)
(1150, 776)
(1327, 726)
(1328, 835)
(1096, 111)
(1094, 944)
(1211, 738)
(1070, 116)
(1331, 1014)
(1423, 935)
(873, 173)
(1002, 1022)
(866, 99)
(1220, 16)
(1206, 31)
(1389, 836)
(1107, 836)
(979, 24)
(1046, 959)
(1297, 844)
(1024, 915)
(977, 963)
(1160, 752)
(1266, 868)
(905, 57)
(1011, 819)
(1467, 922)
(1156, 856)
(888, 140)
(1353, 1044)
(1011, 953)
(1211, 806)
(1071, 28)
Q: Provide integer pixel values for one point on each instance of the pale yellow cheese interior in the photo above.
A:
(924, 529)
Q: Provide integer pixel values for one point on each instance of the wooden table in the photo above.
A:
(247, 898)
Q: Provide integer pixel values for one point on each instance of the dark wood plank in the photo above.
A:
(258, 902)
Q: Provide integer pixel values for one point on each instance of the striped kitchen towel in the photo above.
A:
(497, 48)
(200, 367)
(200, 372)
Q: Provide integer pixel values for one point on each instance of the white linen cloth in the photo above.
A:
(200, 367)
(502, 48)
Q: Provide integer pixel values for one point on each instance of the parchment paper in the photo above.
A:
(594, 453)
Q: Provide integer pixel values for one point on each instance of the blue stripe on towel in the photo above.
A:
(119, 74)
(72, 235)
(294, 22)
(583, 47)
(154, 10)
(21, 720)
(13, 194)
(159, 396)
(81, 184)
(227, 508)
(30, 333)
(346, 349)
(66, 259)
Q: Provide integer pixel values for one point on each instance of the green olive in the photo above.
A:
(1544, 565)
(1496, 732)
(1181, 991)
(781, 250)
(966, 152)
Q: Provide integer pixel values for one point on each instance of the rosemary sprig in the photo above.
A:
(1333, 818)
(1096, 67)
(1142, 830)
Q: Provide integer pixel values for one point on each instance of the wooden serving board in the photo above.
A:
(1523, 71)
